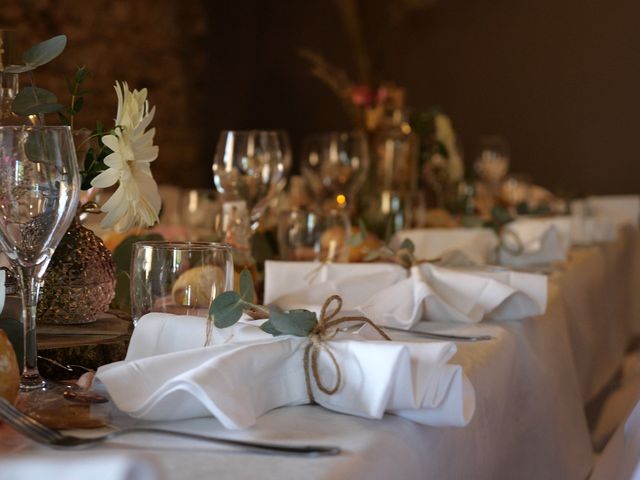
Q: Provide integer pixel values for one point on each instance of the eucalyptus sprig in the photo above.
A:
(403, 255)
(227, 308)
(34, 100)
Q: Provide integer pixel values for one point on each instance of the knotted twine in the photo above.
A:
(325, 330)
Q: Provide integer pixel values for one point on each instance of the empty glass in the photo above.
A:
(310, 235)
(335, 166)
(198, 209)
(39, 188)
(178, 277)
(249, 166)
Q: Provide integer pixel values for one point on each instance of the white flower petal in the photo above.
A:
(136, 201)
(106, 179)
(111, 141)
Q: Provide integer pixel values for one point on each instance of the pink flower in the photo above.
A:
(362, 95)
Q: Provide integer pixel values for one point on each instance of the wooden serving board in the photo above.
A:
(90, 345)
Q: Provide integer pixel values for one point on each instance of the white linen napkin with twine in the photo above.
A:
(169, 375)
(400, 298)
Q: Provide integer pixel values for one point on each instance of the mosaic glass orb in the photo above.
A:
(80, 281)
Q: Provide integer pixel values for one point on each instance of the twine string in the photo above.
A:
(325, 330)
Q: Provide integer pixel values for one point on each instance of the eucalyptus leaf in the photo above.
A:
(71, 86)
(81, 74)
(408, 245)
(501, 215)
(19, 68)
(405, 258)
(295, 322)
(374, 255)
(245, 282)
(268, 327)
(363, 227)
(122, 298)
(356, 240)
(77, 104)
(40, 147)
(64, 120)
(226, 309)
(34, 100)
(45, 51)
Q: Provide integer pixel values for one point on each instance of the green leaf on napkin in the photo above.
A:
(227, 309)
(246, 286)
(268, 327)
(295, 322)
(408, 245)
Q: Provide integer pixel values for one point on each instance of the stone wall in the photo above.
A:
(147, 43)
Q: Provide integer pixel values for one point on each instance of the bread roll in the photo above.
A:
(9, 374)
(197, 286)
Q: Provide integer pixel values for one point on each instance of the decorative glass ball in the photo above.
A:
(80, 281)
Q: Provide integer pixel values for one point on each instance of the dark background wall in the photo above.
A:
(559, 79)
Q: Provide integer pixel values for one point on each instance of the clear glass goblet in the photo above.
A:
(335, 166)
(287, 159)
(310, 235)
(248, 166)
(39, 190)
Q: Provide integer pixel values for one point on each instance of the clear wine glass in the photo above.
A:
(309, 235)
(335, 166)
(287, 158)
(39, 189)
(248, 166)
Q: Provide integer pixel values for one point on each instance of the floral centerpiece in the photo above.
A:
(80, 282)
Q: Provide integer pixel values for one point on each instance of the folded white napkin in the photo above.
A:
(535, 241)
(453, 246)
(590, 230)
(87, 466)
(399, 298)
(168, 375)
(621, 209)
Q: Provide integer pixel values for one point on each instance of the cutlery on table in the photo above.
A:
(44, 435)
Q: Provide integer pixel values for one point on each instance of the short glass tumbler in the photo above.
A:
(180, 278)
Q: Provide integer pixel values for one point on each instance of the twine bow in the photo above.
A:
(325, 330)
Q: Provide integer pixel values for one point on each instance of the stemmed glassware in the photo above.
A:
(287, 158)
(335, 166)
(39, 189)
(248, 167)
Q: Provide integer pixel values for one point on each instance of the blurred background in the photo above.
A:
(559, 80)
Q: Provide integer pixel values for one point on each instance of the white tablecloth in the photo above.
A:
(532, 381)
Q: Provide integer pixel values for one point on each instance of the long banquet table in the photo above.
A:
(532, 382)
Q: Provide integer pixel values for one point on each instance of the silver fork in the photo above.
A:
(42, 434)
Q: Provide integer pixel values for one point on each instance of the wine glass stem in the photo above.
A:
(30, 284)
